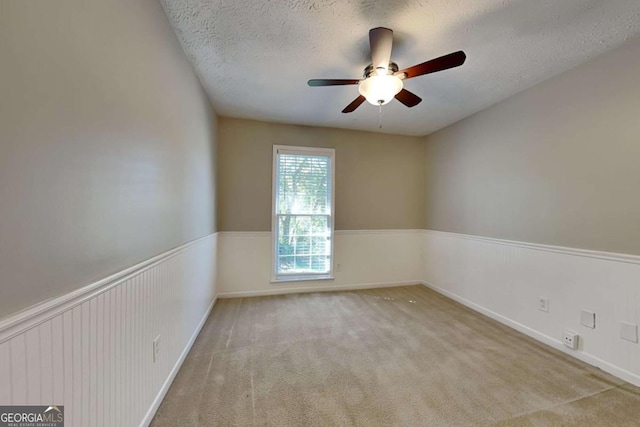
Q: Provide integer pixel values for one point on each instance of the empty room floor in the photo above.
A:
(403, 356)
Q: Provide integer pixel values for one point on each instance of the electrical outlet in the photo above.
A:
(570, 339)
(156, 349)
(543, 304)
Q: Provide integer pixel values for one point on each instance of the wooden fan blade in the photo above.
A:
(355, 104)
(408, 98)
(380, 42)
(451, 60)
(332, 82)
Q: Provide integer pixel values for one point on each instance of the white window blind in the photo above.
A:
(303, 212)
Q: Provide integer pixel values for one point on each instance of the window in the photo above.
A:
(302, 222)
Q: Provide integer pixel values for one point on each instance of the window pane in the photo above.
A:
(304, 244)
(303, 184)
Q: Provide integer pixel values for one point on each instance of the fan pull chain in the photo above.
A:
(380, 115)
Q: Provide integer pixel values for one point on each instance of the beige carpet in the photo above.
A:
(385, 357)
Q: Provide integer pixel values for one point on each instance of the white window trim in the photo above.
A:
(289, 149)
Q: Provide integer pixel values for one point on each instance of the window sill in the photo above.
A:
(279, 280)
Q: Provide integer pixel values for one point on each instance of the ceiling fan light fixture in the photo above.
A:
(380, 89)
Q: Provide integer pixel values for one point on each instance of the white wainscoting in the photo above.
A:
(367, 258)
(91, 350)
(503, 280)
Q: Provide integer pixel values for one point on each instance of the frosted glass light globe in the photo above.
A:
(380, 89)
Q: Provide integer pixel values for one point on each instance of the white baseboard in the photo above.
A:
(176, 368)
(543, 338)
(326, 288)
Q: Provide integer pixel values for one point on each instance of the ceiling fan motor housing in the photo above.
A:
(370, 70)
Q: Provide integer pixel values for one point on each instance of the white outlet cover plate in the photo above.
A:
(588, 319)
(570, 339)
(629, 331)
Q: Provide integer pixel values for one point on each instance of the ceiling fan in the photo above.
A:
(382, 80)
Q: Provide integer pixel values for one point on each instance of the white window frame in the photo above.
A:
(289, 149)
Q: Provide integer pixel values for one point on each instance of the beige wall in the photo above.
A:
(107, 144)
(557, 164)
(379, 177)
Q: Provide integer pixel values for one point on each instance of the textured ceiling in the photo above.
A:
(255, 57)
